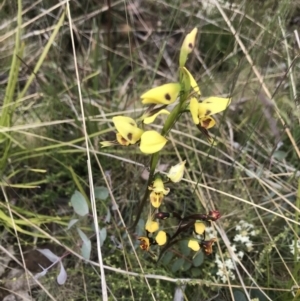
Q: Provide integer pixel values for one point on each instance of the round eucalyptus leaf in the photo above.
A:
(86, 250)
(198, 259)
(102, 235)
(167, 258)
(101, 193)
(239, 296)
(79, 204)
(186, 266)
(177, 265)
(255, 293)
(185, 250)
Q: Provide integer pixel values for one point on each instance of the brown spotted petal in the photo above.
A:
(127, 129)
(165, 94)
(207, 122)
(187, 46)
(144, 243)
(156, 198)
(206, 245)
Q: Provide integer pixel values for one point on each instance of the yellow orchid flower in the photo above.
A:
(156, 198)
(194, 245)
(176, 172)
(161, 238)
(144, 243)
(151, 226)
(165, 94)
(199, 228)
(152, 142)
(207, 245)
(193, 82)
(158, 186)
(127, 132)
(158, 192)
(201, 111)
(187, 46)
(152, 116)
(127, 129)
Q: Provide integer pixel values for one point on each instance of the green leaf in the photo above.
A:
(86, 245)
(186, 266)
(196, 272)
(102, 235)
(82, 235)
(72, 222)
(198, 259)
(177, 265)
(184, 249)
(79, 204)
(86, 250)
(279, 155)
(167, 257)
(239, 296)
(255, 293)
(101, 193)
(107, 217)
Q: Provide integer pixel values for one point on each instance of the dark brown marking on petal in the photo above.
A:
(131, 123)
(208, 112)
(168, 96)
(129, 136)
(206, 123)
(190, 45)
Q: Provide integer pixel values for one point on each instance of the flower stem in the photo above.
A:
(154, 158)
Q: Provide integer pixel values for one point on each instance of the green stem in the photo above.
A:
(172, 117)
(153, 163)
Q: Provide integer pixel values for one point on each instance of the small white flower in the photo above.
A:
(238, 228)
(229, 264)
(249, 245)
(295, 243)
(240, 254)
(241, 238)
(210, 233)
(233, 248)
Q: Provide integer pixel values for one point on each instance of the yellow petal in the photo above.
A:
(151, 226)
(127, 129)
(199, 228)
(119, 121)
(161, 238)
(165, 94)
(176, 172)
(159, 187)
(213, 105)
(194, 84)
(145, 243)
(122, 140)
(150, 119)
(152, 142)
(107, 143)
(189, 41)
(207, 122)
(187, 47)
(194, 105)
(156, 199)
(194, 245)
